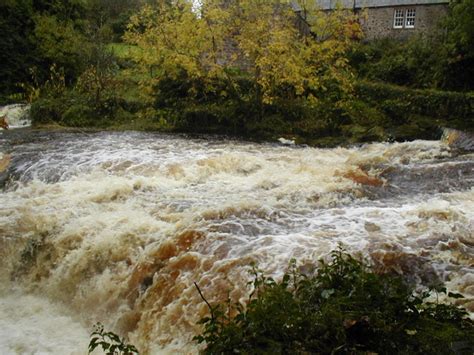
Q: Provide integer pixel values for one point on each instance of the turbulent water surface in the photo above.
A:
(16, 115)
(116, 227)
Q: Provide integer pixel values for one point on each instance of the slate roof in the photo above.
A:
(358, 4)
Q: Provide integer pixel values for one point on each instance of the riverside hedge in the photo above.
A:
(376, 112)
(425, 107)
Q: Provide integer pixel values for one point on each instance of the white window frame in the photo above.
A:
(398, 18)
(410, 18)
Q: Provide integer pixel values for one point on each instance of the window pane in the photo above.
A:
(410, 18)
(398, 19)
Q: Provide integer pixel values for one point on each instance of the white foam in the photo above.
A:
(33, 325)
(17, 115)
(99, 222)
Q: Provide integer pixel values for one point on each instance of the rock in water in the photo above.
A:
(458, 139)
(285, 141)
(4, 162)
(3, 122)
(360, 176)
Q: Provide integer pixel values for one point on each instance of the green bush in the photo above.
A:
(79, 115)
(230, 108)
(109, 342)
(47, 110)
(17, 46)
(442, 59)
(425, 109)
(418, 62)
(345, 308)
(378, 112)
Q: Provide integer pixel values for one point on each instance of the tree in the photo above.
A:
(258, 40)
(16, 26)
(60, 42)
(460, 45)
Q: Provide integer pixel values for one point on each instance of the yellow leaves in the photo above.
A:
(176, 38)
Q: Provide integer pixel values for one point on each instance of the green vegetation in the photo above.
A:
(375, 112)
(345, 308)
(16, 56)
(36, 35)
(234, 69)
(407, 114)
(109, 342)
(443, 59)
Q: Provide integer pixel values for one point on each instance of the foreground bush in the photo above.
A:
(418, 114)
(109, 342)
(344, 308)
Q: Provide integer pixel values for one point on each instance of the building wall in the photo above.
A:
(379, 21)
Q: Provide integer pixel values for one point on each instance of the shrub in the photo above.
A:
(344, 308)
(110, 342)
(407, 106)
(46, 110)
(442, 59)
(417, 62)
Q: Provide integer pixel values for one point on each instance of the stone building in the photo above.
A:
(393, 18)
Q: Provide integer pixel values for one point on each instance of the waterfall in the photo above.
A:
(16, 115)
(116, 227)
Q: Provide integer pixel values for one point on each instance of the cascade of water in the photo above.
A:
(16, 115)
(117, 227)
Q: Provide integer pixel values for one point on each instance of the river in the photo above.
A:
(117, 226)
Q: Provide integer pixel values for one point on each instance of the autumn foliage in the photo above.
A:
(283, 52)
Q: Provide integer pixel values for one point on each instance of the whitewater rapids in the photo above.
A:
(116, 227)
(16, 115)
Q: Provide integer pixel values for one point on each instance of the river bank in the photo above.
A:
(376, 112)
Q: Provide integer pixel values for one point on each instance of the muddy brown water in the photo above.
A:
(116, 227)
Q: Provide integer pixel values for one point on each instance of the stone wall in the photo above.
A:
(379, 21)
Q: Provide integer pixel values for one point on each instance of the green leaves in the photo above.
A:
(109, 342)
(260, 39)
(344, 308)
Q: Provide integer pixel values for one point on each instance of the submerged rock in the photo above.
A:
(285, 141)
(3, 122)
(458, 139)
(4, 162)
(359, 176)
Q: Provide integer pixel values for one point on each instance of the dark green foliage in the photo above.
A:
(345, 308)
(377, 112)
(114, 14)
(74, 109)
(418, 62)
(460, 44)
(60, 43)
(363, 122)
(93, 101)
(110, 342)
(422, 110)
(64, 10)
(17, 48)
(41, 33)
(442, 59)
(228, 107)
